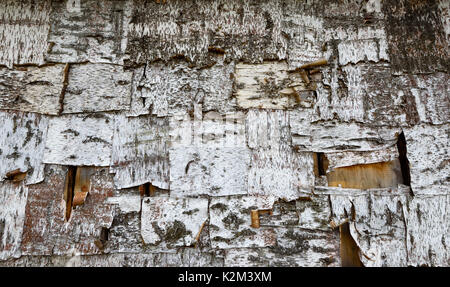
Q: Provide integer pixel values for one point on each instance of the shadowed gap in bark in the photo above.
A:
(147, 189)
(348, 249)
(404, 162)
(69, 189)
(320, 164)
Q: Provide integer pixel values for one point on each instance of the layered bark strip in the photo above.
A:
(224, 133)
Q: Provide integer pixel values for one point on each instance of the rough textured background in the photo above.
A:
(194, 133)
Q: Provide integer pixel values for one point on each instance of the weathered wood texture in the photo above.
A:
(224, 133)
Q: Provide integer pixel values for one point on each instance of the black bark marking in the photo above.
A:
(69, 189)
(404, 162)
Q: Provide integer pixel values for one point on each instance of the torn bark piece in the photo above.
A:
(95, 33)
(32, 89)
(81, 140)
(82, 185)
(13, 200)
(365, 176)
(349, 158)
(16, 175)
(255, 31)
(77, 187)
(427, 154)
(97, 88)
(24, 29)
(319, 62)
(140, 151)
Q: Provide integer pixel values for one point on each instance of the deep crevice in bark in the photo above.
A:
(320, 164)
(348, 249)
(404, 162)
(69, 189)
(147, 189)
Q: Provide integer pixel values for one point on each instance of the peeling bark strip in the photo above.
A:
(13, 199)
(269, 86)
(212, 171)
(140, 151)
(164, 89)
(429, 161)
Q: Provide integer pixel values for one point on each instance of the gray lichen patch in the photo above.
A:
(175, 231)
(163, 220)
(233, 225)
(232, 221)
